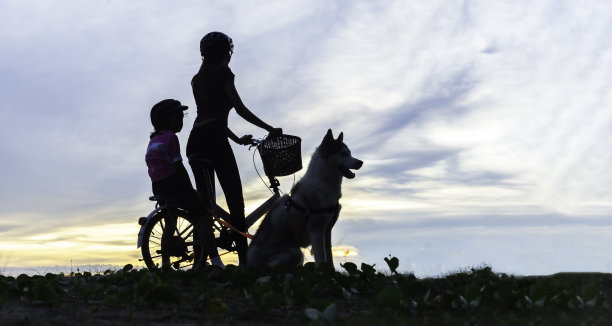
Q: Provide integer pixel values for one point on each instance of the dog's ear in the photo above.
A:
(328, 136)
(340, 137)
(325, 146)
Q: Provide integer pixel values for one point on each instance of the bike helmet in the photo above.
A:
(216, 46)
(161, 110)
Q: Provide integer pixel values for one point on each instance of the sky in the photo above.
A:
(484, 126)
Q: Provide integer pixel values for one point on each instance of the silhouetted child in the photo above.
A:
(170, 178)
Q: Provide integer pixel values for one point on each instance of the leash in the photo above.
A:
(229, 226)
(289, 203)
(306, 212)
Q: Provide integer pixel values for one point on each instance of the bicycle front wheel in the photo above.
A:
(182, 248)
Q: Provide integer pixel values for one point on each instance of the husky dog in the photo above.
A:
(308, 215)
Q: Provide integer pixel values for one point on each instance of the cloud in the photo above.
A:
(460, 110)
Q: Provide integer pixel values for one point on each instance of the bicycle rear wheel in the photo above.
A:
(183, 249)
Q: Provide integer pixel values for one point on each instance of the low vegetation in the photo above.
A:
(354, 295)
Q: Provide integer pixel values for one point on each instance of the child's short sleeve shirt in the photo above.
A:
(163, 151)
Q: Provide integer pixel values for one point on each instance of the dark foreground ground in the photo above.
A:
(358, 295)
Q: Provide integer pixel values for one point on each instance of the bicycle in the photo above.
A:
(280, 156)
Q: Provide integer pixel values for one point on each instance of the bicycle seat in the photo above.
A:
(200, 159)
(164, 199)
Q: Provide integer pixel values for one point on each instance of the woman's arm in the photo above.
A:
(243, 111)
(244, 140)
(232, 135)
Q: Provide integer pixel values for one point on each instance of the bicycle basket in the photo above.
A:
(281, 155)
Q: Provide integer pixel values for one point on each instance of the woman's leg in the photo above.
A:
(197, 144)
(211, 142)
(229, 178)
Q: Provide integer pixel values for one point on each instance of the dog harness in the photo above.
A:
(306, 212)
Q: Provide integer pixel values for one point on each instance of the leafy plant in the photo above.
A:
(393, 264)
(317, 295)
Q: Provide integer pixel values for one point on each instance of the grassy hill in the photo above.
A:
(355, 295)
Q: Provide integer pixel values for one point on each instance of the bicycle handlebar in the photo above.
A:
(254, 141)
(248, 140)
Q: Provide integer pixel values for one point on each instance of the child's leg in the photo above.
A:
(207, 239)
(166, 240)
(165, 187)
(204, 226)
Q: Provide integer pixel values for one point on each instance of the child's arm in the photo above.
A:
(182, 172)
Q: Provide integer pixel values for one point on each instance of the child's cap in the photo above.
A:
(163, 108)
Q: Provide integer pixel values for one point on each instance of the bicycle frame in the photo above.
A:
(216, 209)
(149, 222)
(254, 216)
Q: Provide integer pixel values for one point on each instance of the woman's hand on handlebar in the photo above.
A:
(245, 140)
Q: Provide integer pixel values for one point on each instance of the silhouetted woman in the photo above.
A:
(215, 95)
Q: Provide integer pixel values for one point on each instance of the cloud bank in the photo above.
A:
(483, 126)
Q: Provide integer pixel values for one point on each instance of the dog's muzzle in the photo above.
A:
(346, 170)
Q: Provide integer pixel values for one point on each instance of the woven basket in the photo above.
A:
(281, 155)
